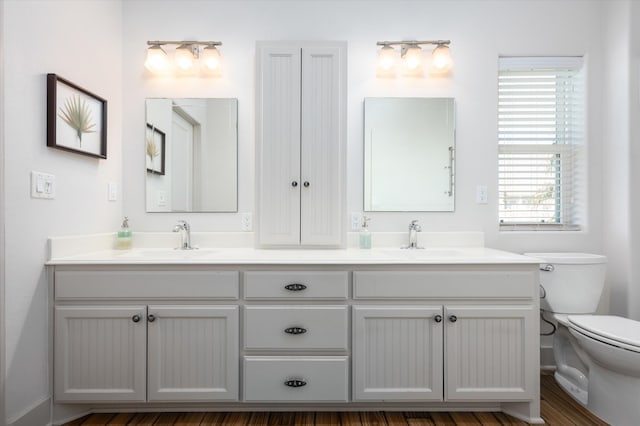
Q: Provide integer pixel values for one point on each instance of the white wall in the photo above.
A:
(480, 31)
(80, 41)
(634, 159)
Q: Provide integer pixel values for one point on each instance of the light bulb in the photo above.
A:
(387, 58)
(412, 60)
(157, 60)
(441, 59)
(183, 57)
(210, 58)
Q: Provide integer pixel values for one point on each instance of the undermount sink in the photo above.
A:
(167, 253)
(423, 253)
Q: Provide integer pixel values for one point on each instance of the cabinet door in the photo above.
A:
(193, 353)
(100, 353)
(278, 134)
(490, 354)
(397, 353)
(322, 152)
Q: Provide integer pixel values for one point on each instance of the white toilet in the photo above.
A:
(597, 356)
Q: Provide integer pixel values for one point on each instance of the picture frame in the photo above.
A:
(76, 118)
(155, 150)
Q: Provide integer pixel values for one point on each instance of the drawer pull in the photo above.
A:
(135, 318)
(151, 318)
(295, 330)
(295, 287)
(437, 318)
(295, 383)
(453, 318)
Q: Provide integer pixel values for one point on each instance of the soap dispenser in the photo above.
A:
(123, 241)
(365, 235)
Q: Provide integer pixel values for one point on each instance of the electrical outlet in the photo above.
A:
(481, 194)
(246, 221)
(112, 191)
(356, 221)
(43, 185)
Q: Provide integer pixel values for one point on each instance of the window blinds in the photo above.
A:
(540, 133)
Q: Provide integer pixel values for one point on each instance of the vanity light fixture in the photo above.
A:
(412, 57)
(186, 57)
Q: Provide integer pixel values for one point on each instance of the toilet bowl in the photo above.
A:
(597, 356)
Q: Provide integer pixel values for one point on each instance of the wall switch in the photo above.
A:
(161, 198)
(112, 191)
(356, 221)
(246, 222)
(481, 194)
(43, 185)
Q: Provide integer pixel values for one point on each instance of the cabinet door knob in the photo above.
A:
(453, 318)
(306, 184)
(295, 287)
(295, 383)
(437, 318)
(294, 183)
(151, 318)
(295, 330)
(135, 318)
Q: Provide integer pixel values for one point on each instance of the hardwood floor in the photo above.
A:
(558, 409)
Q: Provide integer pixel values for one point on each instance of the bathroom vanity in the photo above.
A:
(245, 329)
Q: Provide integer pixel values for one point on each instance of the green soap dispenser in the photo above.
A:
(365, 235)
(123, 242)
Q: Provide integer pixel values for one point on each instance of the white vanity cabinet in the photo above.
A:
(296, 336)
(301, 133)
(475, 332)
(135, 336)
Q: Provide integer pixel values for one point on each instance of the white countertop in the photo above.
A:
(219, 248)
(251, 256)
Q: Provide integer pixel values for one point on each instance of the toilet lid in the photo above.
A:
(610, 327)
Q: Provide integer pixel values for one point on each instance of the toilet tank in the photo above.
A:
(572, 282)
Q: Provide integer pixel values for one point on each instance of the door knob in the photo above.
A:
(306, 184)
(437, 318)
(294, 183)
(151, 318)
(453, 318)
(135, 318)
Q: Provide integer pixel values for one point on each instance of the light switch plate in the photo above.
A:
(43, 185)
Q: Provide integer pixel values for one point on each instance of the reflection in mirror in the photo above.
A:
(192, 155)
(408, 154)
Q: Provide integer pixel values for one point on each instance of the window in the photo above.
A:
(540, 136)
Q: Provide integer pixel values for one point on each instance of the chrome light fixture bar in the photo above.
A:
(185, 57)
(412, 57)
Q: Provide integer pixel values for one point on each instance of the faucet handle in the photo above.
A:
(183, 224)
(414, 224)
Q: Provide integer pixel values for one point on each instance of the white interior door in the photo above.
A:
(181, 163)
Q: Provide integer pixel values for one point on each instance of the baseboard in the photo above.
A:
(38, 415)
(547, 360)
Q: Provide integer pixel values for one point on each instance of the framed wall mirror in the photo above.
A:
(409, 147)
(191, 148)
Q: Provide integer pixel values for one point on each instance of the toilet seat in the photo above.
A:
(617, 331)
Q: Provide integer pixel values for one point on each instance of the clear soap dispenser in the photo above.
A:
(365, 235)
(123, 241)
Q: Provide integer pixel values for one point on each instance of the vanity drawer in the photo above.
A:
(296, 378)
(70, 285)
(296, 285)
(444, 284)
(296, 327)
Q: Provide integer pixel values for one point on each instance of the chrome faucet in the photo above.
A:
(185, 234)
(414, 228)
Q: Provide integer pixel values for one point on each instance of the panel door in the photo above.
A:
(397, 353)
(193, 353)
(322, 144)
(278, 134)
(100, 353)
(489, 354)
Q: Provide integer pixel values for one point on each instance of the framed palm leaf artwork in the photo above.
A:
(76, 118)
